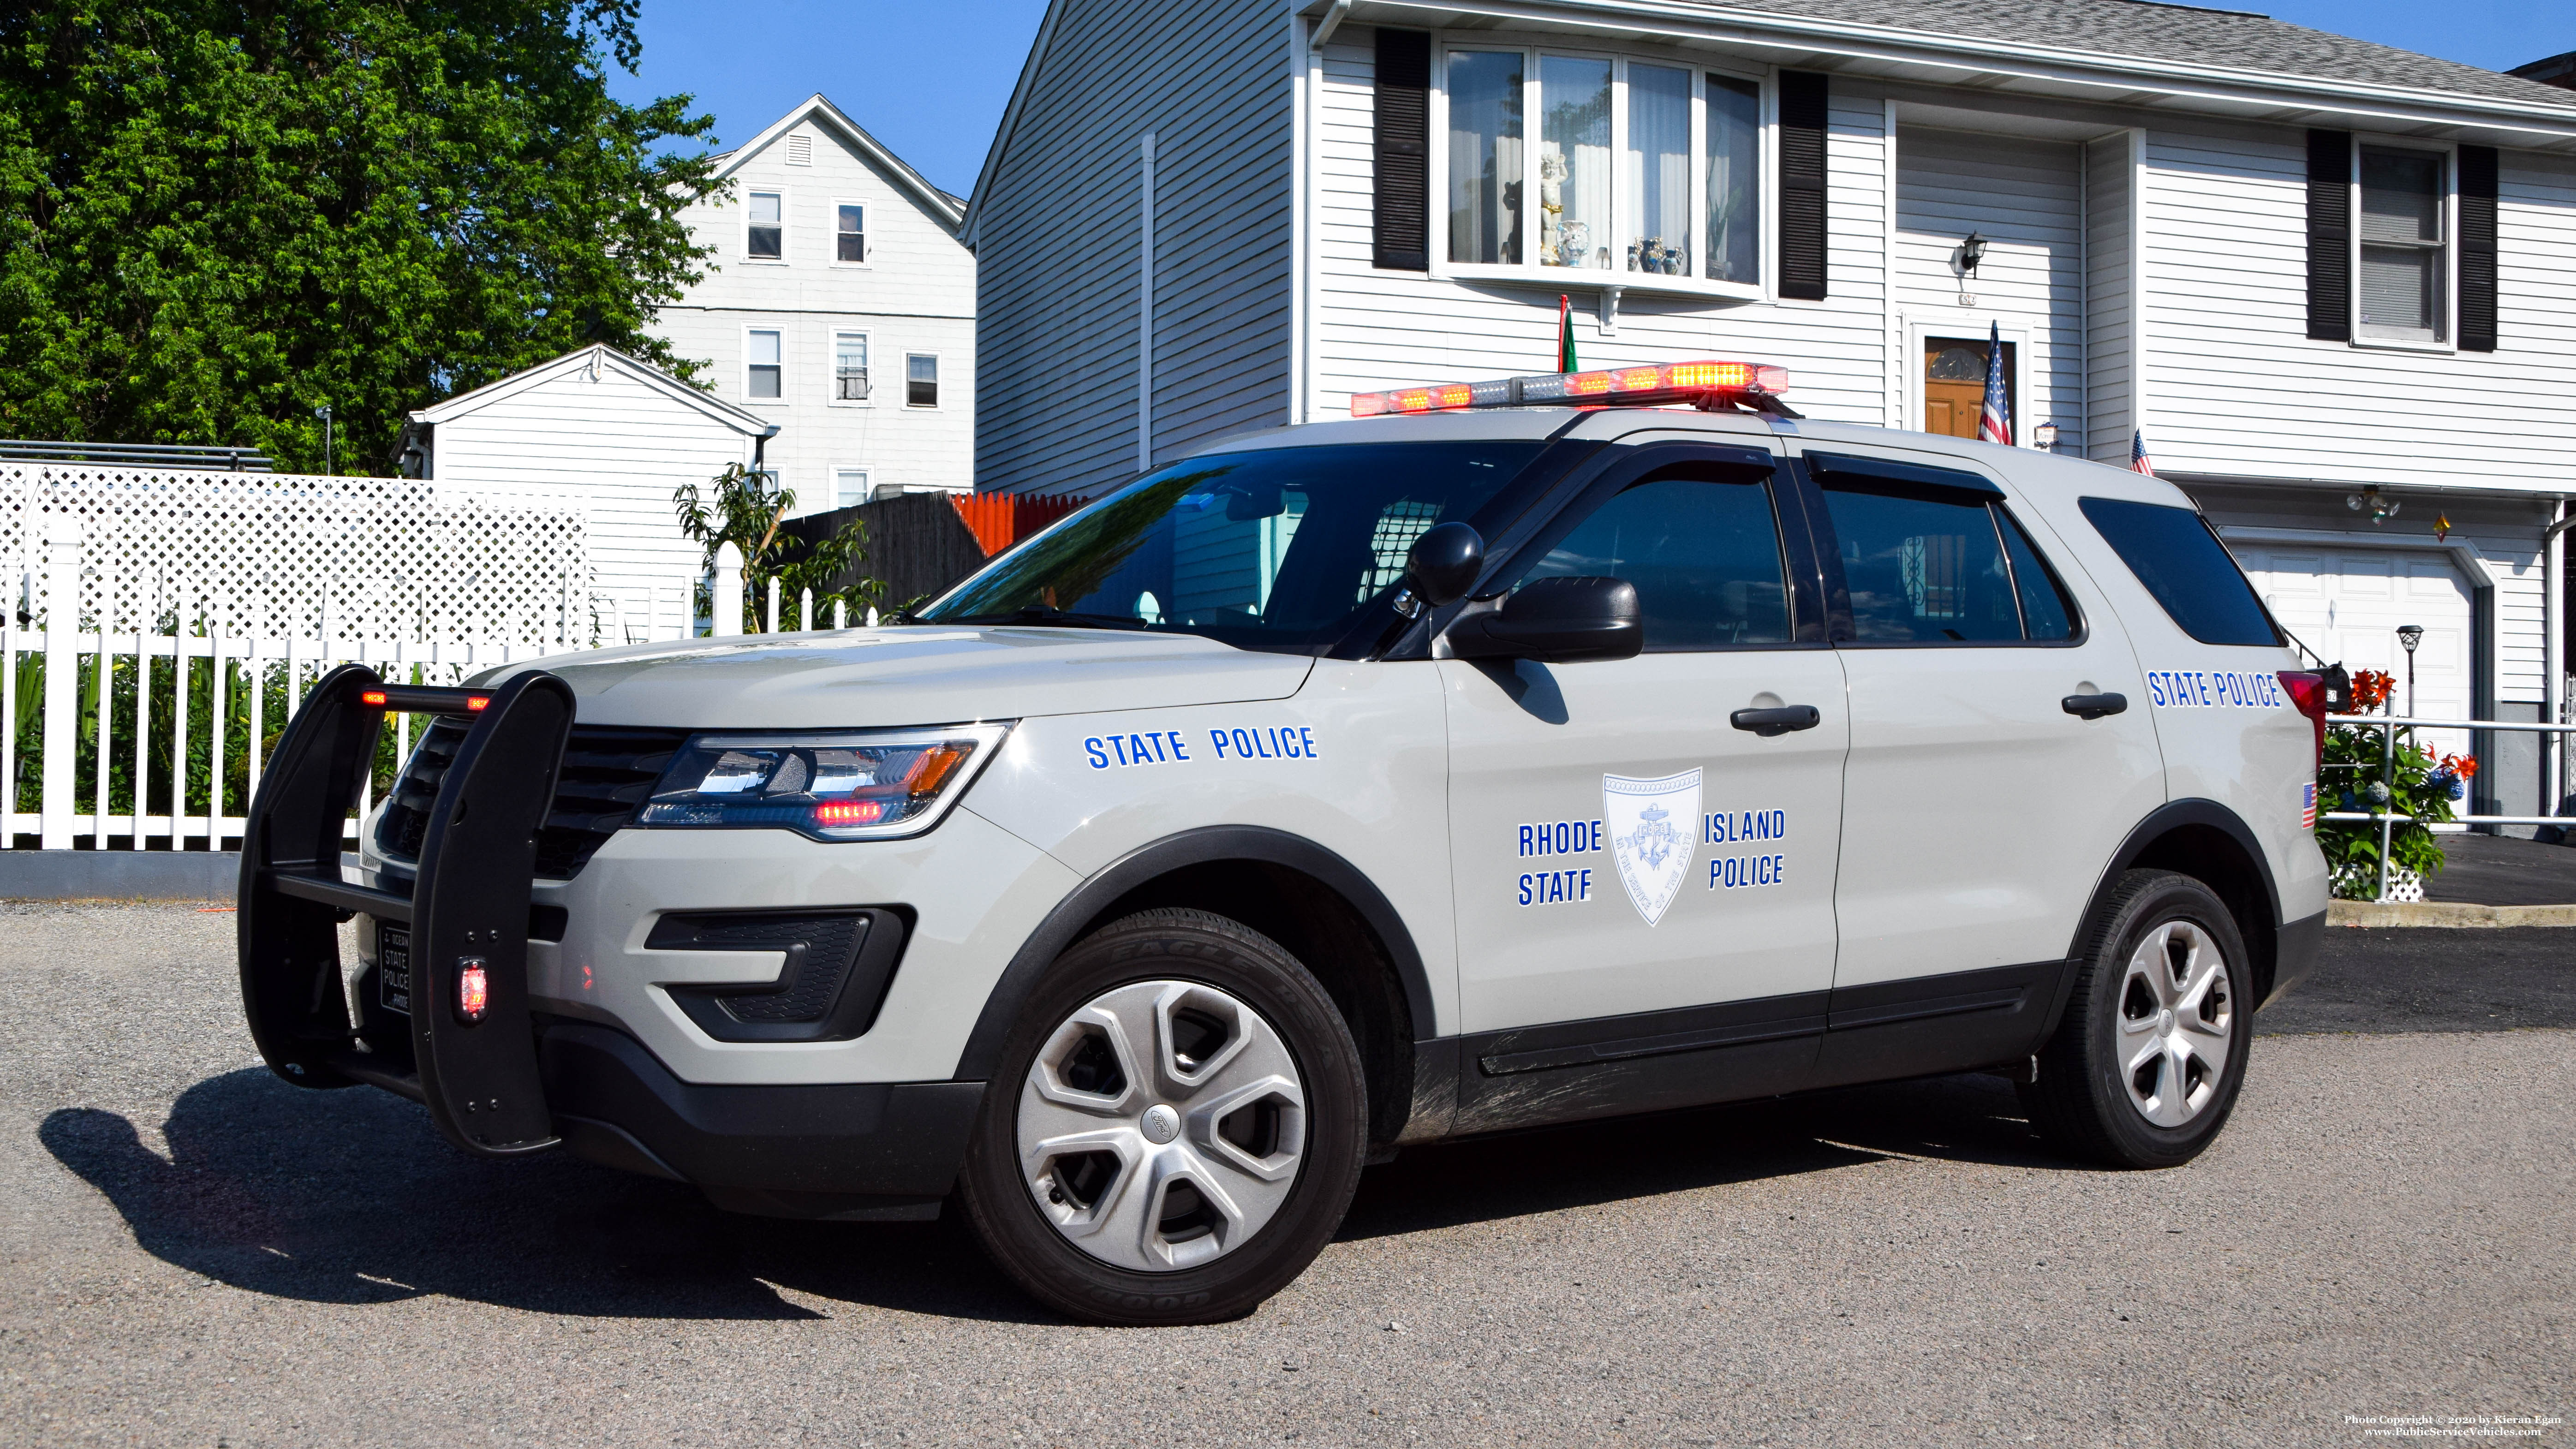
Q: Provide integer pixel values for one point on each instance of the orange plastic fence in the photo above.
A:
(999, 520)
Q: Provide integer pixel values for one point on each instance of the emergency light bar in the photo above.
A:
(1702, 384)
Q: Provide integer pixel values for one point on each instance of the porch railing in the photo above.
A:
(2387, 821)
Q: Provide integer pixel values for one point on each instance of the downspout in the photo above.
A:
(2553, 667)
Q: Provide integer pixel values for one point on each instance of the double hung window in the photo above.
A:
(921, 380)
(849, 367)
(761, 356)
(2404, 251)
(849, 487)
(1639, 168)
(849, 233)
(765, 236)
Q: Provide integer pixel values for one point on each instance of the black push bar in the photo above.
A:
(470, 1053)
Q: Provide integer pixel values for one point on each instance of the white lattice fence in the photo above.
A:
(286, 554)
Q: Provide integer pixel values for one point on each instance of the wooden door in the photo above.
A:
(1954, 385)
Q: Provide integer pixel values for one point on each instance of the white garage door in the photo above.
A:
(2347, 603)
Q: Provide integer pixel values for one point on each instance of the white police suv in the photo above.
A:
(1519, 752)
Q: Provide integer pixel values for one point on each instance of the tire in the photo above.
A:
(1176, 1128)
(2146, 1064)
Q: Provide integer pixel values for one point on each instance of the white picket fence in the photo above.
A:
(127, 717)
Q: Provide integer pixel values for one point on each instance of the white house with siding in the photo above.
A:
(613, 435)
(2331, 286)
(839, 305)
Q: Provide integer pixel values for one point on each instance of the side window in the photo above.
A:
(1704, 555)
(1922, 568)
(2047, 614)
(2183, 564)
(765, 236)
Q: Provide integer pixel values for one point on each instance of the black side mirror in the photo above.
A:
(1440, 567)
(1556, 621)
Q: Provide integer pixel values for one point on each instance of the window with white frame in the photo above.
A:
(765, 233)
(849, 367)
(849, 233)
(761, 367)
(2404, 245)
(1640, 167)
(921, 380)
(849, 487)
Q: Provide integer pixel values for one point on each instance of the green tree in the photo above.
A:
(751, 516)
(217, 215)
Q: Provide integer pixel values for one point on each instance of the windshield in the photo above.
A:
(1280, 548)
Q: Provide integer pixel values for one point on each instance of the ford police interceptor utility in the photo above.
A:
(1513, 753)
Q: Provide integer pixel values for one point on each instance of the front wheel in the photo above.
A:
(2146, 1064)
(1177, 1127)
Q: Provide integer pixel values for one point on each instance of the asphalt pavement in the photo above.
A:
(194, 1253)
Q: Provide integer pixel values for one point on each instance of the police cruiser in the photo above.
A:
(1513, 753)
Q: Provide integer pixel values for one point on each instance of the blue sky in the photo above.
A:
(930, 81)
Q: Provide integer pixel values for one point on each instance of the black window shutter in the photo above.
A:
(1802, 185)
(2477, 249)
(2330, 236)
(1403, 219)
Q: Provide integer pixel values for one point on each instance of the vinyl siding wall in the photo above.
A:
(1375, 329)
(915, 294)
(1058, 234)
(2110, 421)
(2234, 386)
(617, 447)
(2026, 198)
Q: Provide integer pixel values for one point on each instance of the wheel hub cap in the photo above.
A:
(1162, 1125)
(2176, 1024)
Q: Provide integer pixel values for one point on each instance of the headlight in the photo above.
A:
(836, 785)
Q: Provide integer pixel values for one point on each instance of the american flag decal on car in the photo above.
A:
(2308, 806)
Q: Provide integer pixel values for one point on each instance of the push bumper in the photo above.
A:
(500, 1079)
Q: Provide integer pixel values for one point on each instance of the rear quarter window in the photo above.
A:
(2174, 553)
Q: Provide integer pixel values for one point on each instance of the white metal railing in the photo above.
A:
(2388, 725)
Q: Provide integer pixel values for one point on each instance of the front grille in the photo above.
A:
(608, 771)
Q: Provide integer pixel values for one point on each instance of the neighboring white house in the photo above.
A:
(597, 427)
(2299, 267)
(839, 305)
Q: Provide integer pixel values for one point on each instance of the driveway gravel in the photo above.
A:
(194, 1253)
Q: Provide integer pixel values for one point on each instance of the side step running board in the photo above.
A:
(473, 1045)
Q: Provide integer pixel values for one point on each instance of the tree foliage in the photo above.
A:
(217, 215)
(752, 516)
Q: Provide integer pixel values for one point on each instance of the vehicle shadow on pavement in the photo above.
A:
(1965, 1119)
(351, 1197)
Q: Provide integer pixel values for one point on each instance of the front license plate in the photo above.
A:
(393, 967)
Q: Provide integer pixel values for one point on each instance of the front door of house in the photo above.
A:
(1954, 384)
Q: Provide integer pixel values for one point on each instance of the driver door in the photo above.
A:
(1645, 890)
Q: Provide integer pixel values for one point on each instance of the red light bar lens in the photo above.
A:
(375, 697)
(473, 990)
(849, 812)
(475, 702)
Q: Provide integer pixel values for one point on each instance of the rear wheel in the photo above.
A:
(2146, 1064)
(1177, 1127)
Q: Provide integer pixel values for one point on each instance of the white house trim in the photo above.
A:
(2463, 555)
(593, 358)
(939, 203)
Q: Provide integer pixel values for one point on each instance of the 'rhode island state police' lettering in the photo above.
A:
(1561, 837)
(1277, 742)
(2214, 689)
(1745, 827)
(1154, 747)
(1556, 888)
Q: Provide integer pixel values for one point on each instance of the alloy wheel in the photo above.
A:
(2176, 1023)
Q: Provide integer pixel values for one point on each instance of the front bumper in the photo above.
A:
(855, 1150)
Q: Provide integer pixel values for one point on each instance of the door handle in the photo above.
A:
(1769, 722)
(2093, 706)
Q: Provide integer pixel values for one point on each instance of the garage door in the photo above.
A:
(2348, 603)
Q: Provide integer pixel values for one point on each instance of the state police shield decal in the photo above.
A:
(1654, 831)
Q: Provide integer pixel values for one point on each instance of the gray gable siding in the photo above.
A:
(1058, 232)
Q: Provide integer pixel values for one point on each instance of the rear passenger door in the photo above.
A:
(1980, 804)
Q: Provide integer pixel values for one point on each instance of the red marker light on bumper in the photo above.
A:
(375, 697)
(473, 990)
(849, 812)
(474, 702)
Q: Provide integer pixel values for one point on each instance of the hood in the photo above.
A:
(914, 675)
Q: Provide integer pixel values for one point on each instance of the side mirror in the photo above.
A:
(1556, 621)
(1440, 567)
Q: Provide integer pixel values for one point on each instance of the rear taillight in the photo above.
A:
(2308, 693)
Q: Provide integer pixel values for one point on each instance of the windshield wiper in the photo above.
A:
(1043, 614)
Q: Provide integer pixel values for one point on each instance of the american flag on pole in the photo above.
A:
(2138, 454)
(1994, 423)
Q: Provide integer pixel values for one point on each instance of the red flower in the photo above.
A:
(2370, 690)
(2464, 766)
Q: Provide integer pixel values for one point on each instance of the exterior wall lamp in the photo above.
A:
(1971, 252)
(2370, 500)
